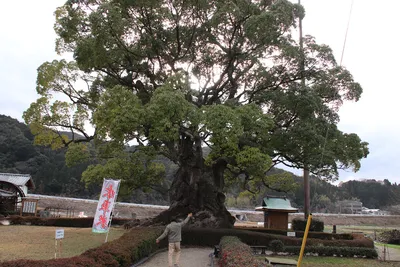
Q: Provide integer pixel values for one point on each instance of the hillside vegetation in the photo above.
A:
(52, 176)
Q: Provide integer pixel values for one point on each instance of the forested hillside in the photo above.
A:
(18, 154)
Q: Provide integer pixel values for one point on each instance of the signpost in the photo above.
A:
(59, 236)
(292, 234)
(29, 206)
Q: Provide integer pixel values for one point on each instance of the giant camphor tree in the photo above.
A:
(173, 76)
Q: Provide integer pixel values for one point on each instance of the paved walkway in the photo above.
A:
(190, 257)
(392, 254)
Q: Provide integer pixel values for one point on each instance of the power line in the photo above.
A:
(306, 180)
(341, 61)
(347, 31)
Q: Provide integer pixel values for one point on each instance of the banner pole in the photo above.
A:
(109, 226)
(98, 203)
(112, 215)
(303, 244)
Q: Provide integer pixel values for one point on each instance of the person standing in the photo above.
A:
(174, 233)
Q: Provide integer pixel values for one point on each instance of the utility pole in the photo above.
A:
(306, 171)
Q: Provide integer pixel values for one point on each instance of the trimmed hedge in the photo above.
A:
(140, 242)
(300, 234)
(300, 225)
(335, 251)
(60, 222)
(276, 246)
(125, 251)
(211, 237)
(235, 253)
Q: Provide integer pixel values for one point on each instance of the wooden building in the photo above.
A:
(276, 212)
(13, 189)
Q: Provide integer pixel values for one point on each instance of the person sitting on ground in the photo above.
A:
(173, 231)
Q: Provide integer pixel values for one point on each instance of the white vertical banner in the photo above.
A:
(105, 206)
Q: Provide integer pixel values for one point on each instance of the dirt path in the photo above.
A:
(190, 257)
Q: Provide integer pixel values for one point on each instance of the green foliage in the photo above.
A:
(52, 175)
(119, 110)
(174, 76)
(276, 246)
(352, 252)
(60, 222)
(209, 237)
(48, 168)
(77, 153)
(373, 194)
(300, 225)
(390, 237)
(166, 112)
(244, 200)
(324, 195)
(230, 202)
(300, 234)
(136, 170)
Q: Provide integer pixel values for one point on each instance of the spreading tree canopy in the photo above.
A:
(173, 76)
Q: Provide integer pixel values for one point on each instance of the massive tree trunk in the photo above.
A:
(198, 189)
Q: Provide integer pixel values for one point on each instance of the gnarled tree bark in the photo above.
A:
(197, 188)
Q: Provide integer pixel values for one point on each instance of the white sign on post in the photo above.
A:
(59, 233)
(293, 234)
(59, 236)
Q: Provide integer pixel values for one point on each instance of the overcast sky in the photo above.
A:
(371, 54)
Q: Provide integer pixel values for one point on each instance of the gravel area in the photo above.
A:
(190, 257)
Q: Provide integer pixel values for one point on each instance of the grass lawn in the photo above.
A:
(366, 229)
(340, 262)
(38, 242)
(388, 245)
(372, 231)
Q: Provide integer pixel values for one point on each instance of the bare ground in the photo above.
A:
(129, 210)
(121, 210)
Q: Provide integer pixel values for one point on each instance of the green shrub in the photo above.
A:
(390, 237)
(300, 225)
(325, 236)
(300, 234)
(60, 222)
(276, 246)
(211, 237)
(125, 251)
(335, 251)
(235, 253)
(78, 261)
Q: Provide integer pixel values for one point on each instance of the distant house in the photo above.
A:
(13, 187)
(276, 212)
(350, 206)
(23, 181)
(373, 211)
